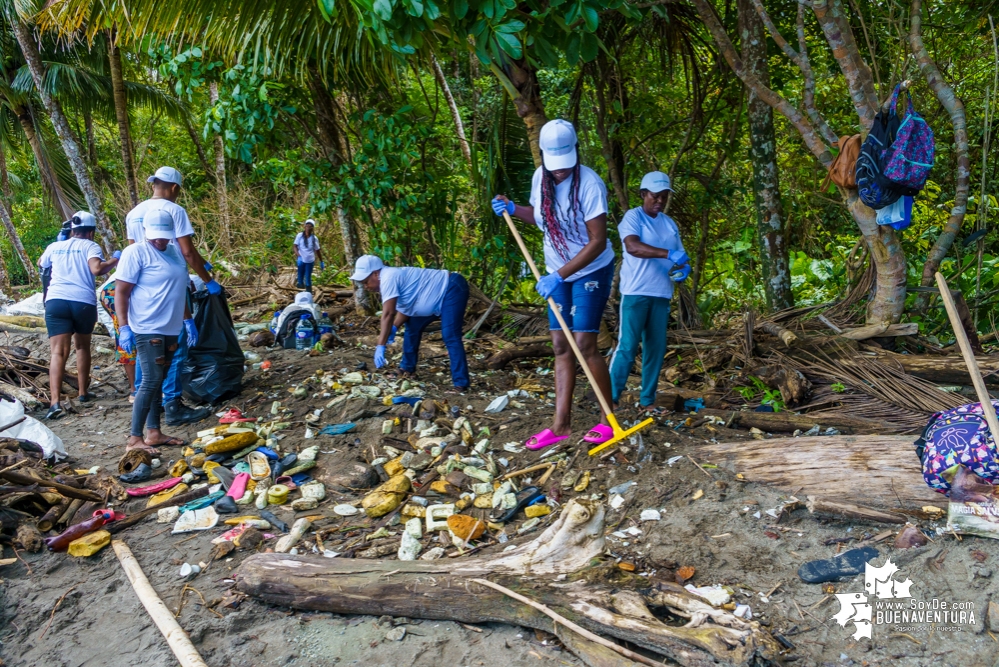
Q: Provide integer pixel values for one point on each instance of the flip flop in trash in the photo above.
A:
(233, 416)
(599, 434)
(846, 564)
(544, 439)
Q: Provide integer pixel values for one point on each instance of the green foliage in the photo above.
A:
(759, 389)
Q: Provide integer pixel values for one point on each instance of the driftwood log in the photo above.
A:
(508, 354)
(445, 590)
(789, 338)
(787, 422)
(847, 510)
(882, 330)
(945, 370)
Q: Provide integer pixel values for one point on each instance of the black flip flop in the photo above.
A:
(526, 496)
(846, 564)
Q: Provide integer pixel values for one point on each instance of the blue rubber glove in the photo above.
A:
(547, 285)
(213, 287)
(391, 338)
(680, 274)
(126, 339)
(500, 205)
(298, 261)
(679, 258)
(379, 356)
(208, 266)
(116, 254)
(192, 333)
(322, 266)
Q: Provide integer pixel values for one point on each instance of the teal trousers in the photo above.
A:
(643, 320)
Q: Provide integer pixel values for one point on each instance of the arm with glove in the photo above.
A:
(387, 330)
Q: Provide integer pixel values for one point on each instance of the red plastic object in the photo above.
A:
(266, 365)
(234, 415)
(61, 542)
(141, 491)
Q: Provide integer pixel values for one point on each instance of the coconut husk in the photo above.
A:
(131, 460)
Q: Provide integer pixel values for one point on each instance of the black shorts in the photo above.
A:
(69, 317)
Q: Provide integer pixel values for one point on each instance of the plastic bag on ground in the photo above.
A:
(213, 370)
(33, 305)
(30, 429)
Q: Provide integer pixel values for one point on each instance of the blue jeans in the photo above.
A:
(643, 318)
(305, 273)
(582, 301)
(172, 387)
(154, 352)
(452, 317)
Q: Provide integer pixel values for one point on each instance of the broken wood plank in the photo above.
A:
(787, 422)
(879, 471)
(882, 330)
(945, 370)
(851, 511)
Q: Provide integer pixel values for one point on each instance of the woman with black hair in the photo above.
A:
(569, 204)
(306, 251)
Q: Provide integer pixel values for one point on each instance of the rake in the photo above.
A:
(619, 433)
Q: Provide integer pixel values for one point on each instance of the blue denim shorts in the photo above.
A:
(582, 301)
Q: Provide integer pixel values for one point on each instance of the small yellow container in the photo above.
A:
(278, 494)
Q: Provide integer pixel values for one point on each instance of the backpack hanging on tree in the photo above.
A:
(873, 185)
(911, 155)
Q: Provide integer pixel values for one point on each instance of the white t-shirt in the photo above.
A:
(648, 277)
(307, 248)
(592, 202)
(71, 276)
(420, 292)
(160, 293)
(133, 221)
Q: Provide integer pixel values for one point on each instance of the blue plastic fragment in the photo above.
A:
(408, 400)
(269, 453)
(300, 478)
(337, 429)
(693, 404)
(202, 502)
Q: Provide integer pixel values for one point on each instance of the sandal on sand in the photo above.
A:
(599, 434)
(544, 439)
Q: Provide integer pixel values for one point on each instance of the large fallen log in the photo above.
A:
(945, 370)
(882, 330)
(445, 590)
(879, 471)
(508, 354)
(787, 422)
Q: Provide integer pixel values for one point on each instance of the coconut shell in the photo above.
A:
(131, 460)
(261, 339)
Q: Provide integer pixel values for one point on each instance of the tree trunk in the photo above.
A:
(887, 301)
(8, 224)
(198, 147)
(49, 179)
(88, 129)
(459, 127)
(763, 155)
(527, 101)
(609, 147)
(220, 182)
(69, 145)
(121, 114)
(962, 183)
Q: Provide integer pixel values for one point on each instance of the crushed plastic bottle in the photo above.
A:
(325, 324)
(274, 322)
(304, 334)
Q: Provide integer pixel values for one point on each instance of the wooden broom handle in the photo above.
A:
(969, 357)
(558, 316)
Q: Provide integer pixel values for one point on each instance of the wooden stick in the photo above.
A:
(524, 471)
(178, 640)
(851, 511)
(12, 424)
(969, 357)
(569, 624)
(63, 489)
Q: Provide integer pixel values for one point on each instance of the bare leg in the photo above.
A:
(58, 353)
(565, 383)
(154, 436)
(82, 342)
(136, 442)
(130, 374)
(587, 343)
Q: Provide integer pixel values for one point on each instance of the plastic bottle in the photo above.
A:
(274, 322)
(61, 542)
(304, 334)
(325, 324)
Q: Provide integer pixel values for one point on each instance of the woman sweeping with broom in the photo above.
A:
(569, 204)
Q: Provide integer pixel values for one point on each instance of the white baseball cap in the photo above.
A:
(655, 181)
(158, 224)
(557, 142)
(365, 266)
(167, 175)
(310, 221)
(82, 219)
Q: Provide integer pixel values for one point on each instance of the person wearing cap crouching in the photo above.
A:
(653, 260)
(569, 203)
(166, 183)
(421, 295)
(306, 251)
(151, 303)
(71, 305)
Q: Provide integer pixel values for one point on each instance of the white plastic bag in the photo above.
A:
(30, 429)
(33, 305)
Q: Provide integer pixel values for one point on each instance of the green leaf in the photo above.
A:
(572, 48)
(432, 11)
(328, 9)
(510, 45)
(590, 47)
(196, 52)
(590, 18)
(459, 8)
(383, 9)
(510, 27)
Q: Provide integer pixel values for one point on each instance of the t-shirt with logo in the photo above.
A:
(160, 277)
(648, 277)
(71, 277)
(420, 292)
(133, 221)
(307, 247)
(592, 202)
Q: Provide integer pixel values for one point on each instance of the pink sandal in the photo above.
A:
(543, 439)
(599, 434)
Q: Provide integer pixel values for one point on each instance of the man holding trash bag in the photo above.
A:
(422, 295)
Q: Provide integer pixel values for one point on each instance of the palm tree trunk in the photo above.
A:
(219, 145)
(527, 100)
(6, 213)
(459, 127)
(121, 114)
(198, 147)
(763, 156)
(69, 145)
(49, 179)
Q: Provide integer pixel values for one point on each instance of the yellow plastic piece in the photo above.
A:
(584, 481)
(537, 510)
(620, 434)
(394, 467)
(89, 544)
(278, 494)
(241, 519)
(164, 496)
(179, 468)
(208, 467)
(232, 443)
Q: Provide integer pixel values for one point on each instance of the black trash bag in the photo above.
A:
(213, 370)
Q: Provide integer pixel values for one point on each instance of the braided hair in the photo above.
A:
(310, 239)
(552, 214)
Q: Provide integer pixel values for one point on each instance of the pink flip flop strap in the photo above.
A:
(141, 491)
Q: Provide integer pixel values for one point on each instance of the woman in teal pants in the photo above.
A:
(653, 260)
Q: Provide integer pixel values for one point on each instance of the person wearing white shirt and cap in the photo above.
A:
(71, 304)
(151, 302)
(653, 261)
(306, 251)
(422, 295)
(569, 204)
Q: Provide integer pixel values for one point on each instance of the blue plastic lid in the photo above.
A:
(304, 316)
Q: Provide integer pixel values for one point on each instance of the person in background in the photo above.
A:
(422, 295)
(306, 251)
(151, 300)
(71, 305)
(166, 189)
(569, 203)
(45, 270)
(653, 260)
(126, 359)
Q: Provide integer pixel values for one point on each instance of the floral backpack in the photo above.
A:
(911, 155)
(959, 436)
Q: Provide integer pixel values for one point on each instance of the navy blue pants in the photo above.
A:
(452, 317)
(305, 273)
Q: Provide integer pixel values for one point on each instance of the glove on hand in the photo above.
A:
(547, 285)
(126, 339)
(391, 338)
(379, 356)
(680, 274)
(192, 333)
(500, 205)
(116, 254)
(213, 287)
(679, 257)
